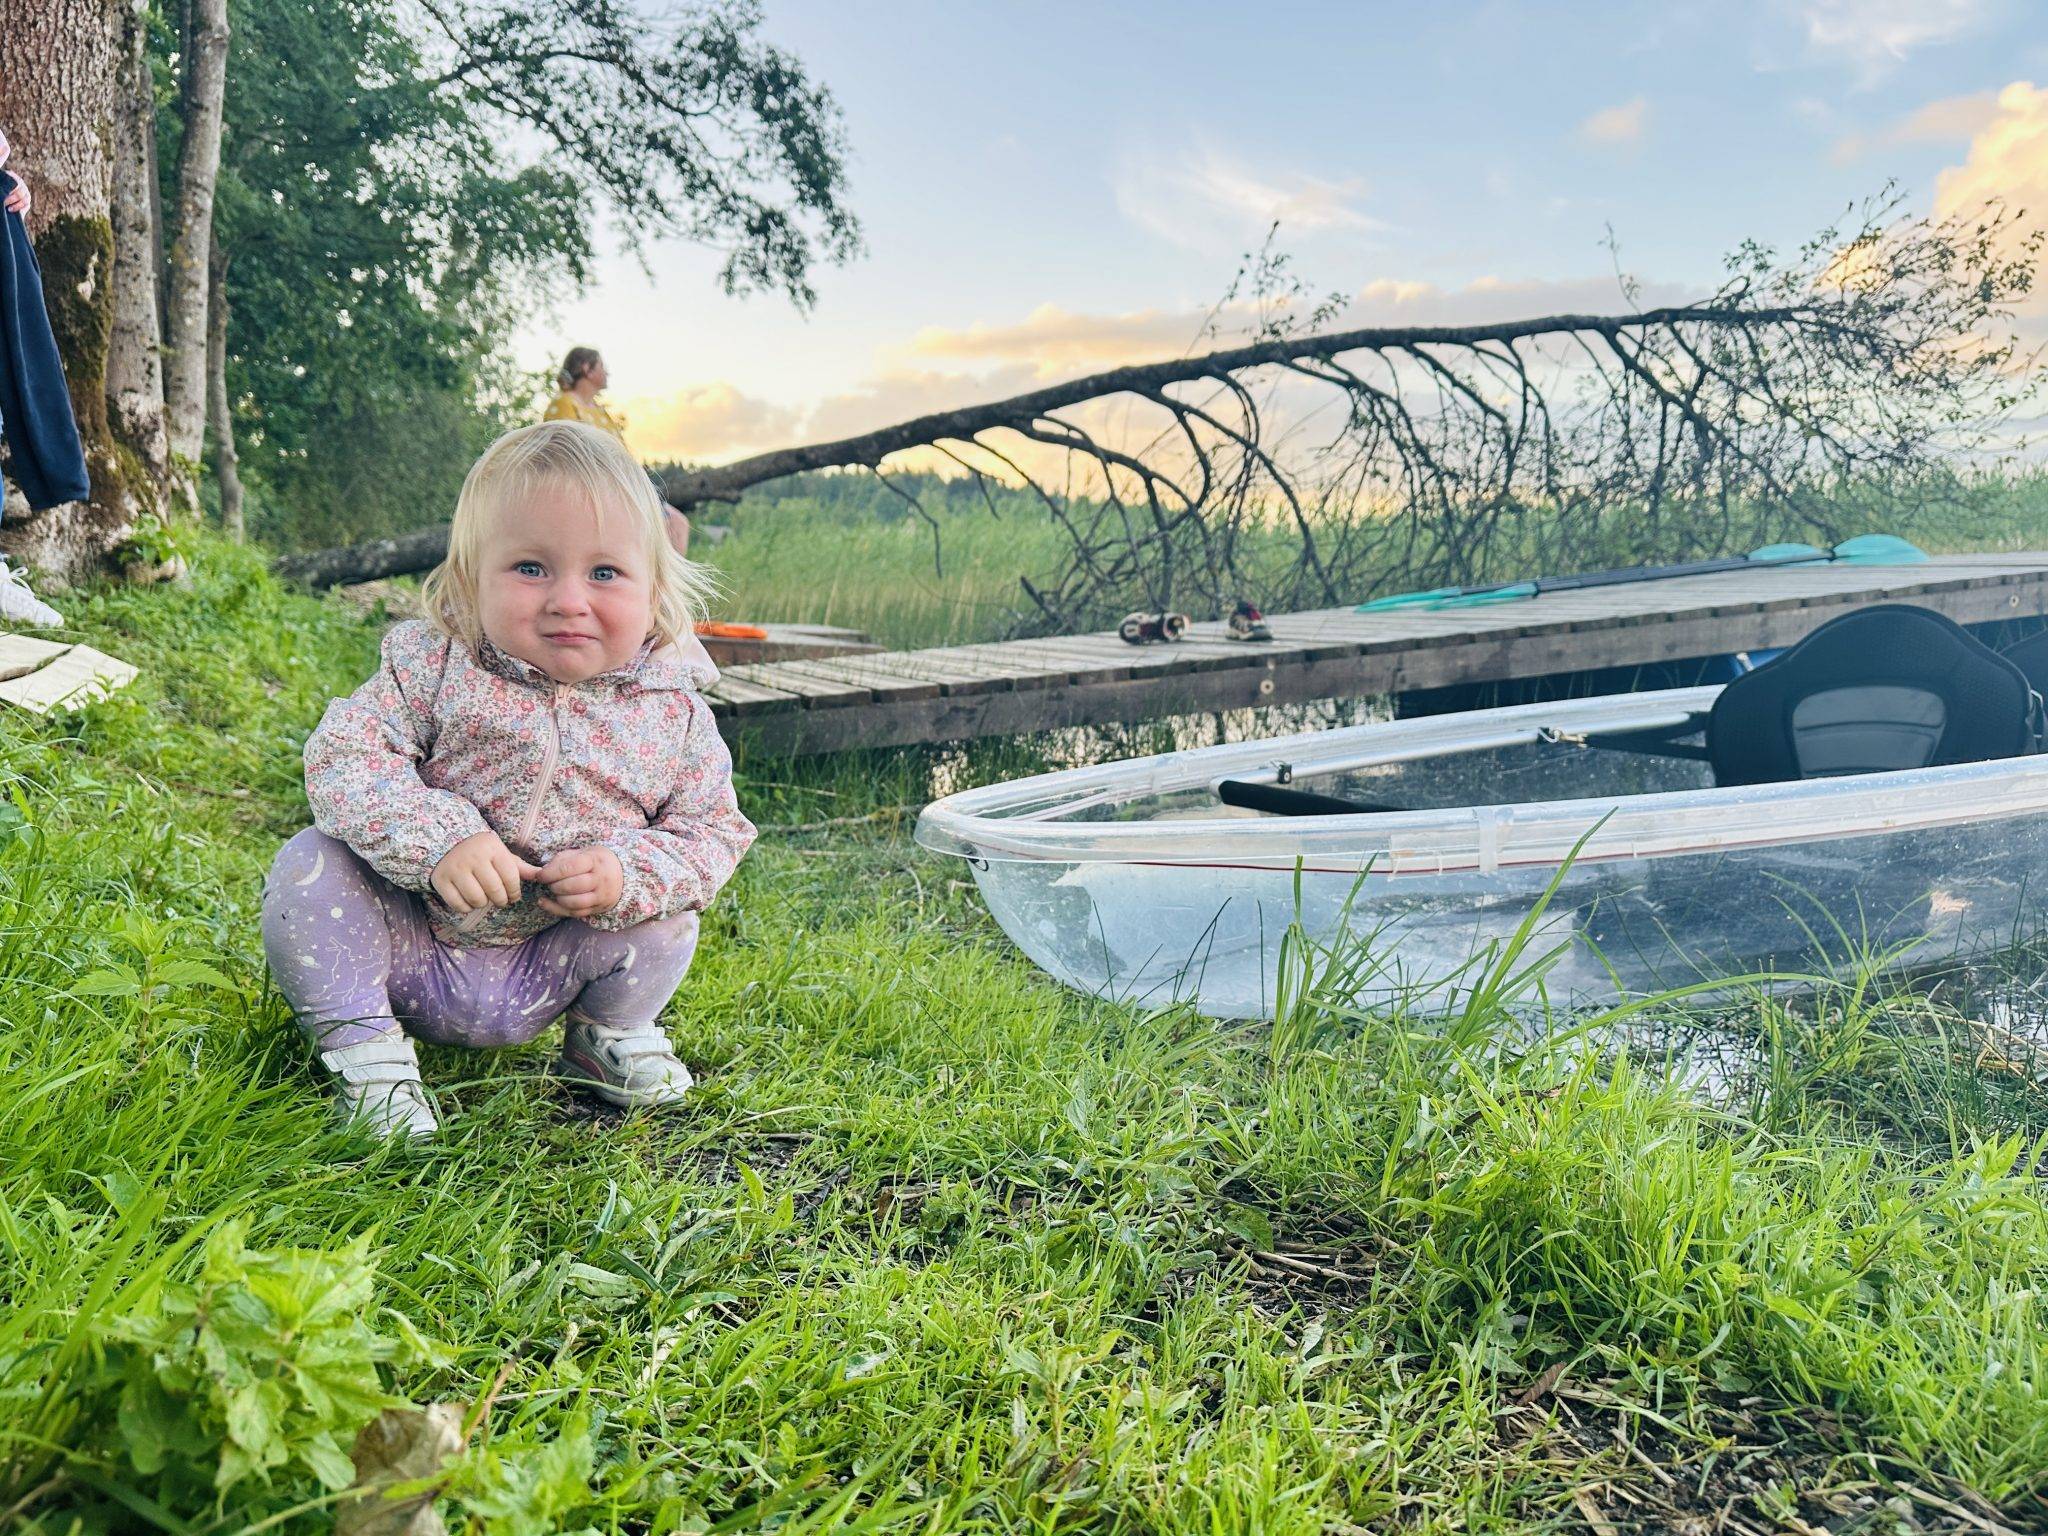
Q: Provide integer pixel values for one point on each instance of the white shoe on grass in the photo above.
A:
(19, 603)
(378, 1085)
(635, 1069)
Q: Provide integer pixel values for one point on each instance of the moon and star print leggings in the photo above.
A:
(355, 957)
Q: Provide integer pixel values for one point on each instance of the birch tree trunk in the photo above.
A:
(64, 81)
(198, 168)
(135, 379)
(226, 466)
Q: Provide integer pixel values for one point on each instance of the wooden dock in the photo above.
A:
(1021, 686)
(785, 642)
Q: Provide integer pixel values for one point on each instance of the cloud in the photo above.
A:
(1949, 120)
(1057, 339)
(1058, 342)
(1391, 302)
(2007, 164)
(2007, 160)
(707, 421)
(1210, 198)
(1617, 125)
(896, 394)
(1874, 35)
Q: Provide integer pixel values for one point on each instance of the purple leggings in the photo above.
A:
(354, 957)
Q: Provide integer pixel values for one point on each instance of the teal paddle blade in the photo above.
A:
(1879, 549)
(1789, 554)
(1408, 600)
(1520, 589)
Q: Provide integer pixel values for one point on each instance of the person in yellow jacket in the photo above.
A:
(581, 378)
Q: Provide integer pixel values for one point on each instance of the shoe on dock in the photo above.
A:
(1247, 623)
(1151, 628)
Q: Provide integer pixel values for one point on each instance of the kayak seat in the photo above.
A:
(1877, 690)
(2031, 657)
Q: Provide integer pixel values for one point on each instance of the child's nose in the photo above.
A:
(568, 597)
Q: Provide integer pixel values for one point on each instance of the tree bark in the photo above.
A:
(198, 170)
(135, 379)
(366, 562)
(63, 82)
(226, 467)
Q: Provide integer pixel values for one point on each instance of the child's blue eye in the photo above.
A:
(604, 573)
(528, 568)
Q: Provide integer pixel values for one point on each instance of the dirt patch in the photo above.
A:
(1746, 1466)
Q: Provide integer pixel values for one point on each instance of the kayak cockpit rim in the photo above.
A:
(1031, 819)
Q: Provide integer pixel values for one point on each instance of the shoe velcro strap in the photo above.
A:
(388, 1058)
(640, 1047)
(379, 1078)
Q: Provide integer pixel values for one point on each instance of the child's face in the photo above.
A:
(562, 589)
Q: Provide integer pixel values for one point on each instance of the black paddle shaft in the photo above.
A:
(1293, 802)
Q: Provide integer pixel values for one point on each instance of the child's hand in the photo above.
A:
(581, 882)
(480, 871)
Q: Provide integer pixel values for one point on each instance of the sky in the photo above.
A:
(1054, 188)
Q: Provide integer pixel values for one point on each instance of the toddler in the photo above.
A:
(523, 812)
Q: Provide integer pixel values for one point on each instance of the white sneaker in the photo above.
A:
(19, 603)
(379, 1086)
(635, 1069)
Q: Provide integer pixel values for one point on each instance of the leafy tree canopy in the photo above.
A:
(404, 180)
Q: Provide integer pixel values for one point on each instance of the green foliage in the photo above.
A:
(381, 249)
(843, 549)
(154, 542)
(521, 1485)
(402, 184)
(268, 1364)
(688, 123)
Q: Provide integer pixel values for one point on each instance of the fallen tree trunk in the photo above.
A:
(1024, 413)
(418, 551)
(1462, 446)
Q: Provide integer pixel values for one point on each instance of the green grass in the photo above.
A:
(841, 549)
(939, 1246)
(793, 562)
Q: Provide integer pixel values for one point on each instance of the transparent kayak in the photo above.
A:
(1134, 880)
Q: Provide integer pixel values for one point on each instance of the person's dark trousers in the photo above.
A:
(45, 457)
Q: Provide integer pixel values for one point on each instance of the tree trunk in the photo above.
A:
(198, 168)
(135, 379)
(417, 551)
(226, 468)
(63, 81)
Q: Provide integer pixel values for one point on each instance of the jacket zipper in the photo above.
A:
(547, 770)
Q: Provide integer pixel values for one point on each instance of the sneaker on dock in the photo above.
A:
(19, 603)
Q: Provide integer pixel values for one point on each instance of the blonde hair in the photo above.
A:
(587, 459)
(579, 362)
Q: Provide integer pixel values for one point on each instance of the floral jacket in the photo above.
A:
(441, 744)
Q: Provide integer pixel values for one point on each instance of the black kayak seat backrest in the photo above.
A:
(1874, 691)
(2031, 657)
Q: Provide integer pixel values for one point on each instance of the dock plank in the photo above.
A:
(743, 695)
(1020, 686)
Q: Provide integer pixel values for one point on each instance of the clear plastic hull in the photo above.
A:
(1131, 879)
